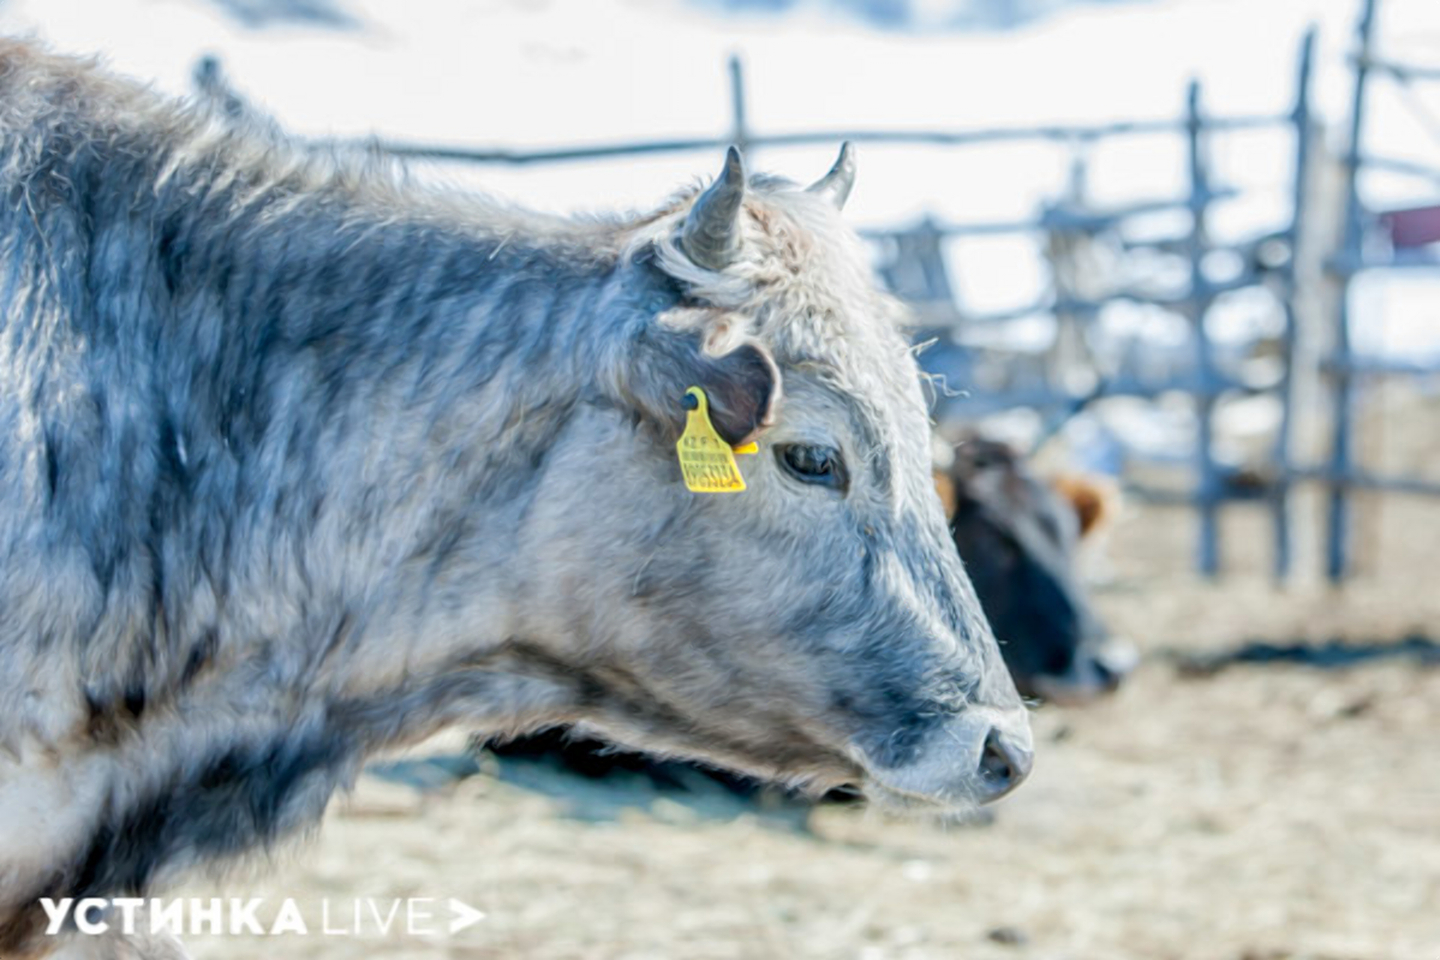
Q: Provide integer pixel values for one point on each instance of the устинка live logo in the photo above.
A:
(260, 916)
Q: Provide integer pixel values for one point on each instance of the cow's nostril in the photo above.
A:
(1003, 765)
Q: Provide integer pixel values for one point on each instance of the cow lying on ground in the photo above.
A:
(290, 456)
(1018, 536)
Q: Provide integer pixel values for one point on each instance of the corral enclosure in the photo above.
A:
(1216, 806)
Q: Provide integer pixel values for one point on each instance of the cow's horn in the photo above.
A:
(835, 185)
(711, 236)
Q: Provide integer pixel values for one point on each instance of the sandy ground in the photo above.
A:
(1262, 813)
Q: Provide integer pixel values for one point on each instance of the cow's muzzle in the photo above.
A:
(978, 756)
(1005, 760)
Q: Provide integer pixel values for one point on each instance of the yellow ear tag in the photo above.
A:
(706, 460)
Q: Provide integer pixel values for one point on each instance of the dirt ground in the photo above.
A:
(1261, 813)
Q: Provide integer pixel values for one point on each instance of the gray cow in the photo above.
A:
(289, 455)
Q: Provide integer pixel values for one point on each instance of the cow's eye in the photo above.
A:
(821, 466)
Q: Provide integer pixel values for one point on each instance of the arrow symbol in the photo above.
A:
(465, 915)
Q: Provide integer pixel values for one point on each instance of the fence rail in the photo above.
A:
(741, 136)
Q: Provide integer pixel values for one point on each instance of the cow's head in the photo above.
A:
(817, 627)
(1018, 537)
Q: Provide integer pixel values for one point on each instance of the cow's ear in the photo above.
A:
(1093, 501)
(945, 486)
(743, 388)
(740, 379)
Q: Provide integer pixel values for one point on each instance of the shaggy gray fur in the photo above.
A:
(299, 461)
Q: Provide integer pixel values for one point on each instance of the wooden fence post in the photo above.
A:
(1341, 369)
(1208, 490)
(1282, 483)
(739, 123)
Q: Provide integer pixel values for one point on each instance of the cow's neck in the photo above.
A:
(337, 374)
(373, 387)
(331, 401)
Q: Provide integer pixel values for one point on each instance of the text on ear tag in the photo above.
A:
(706, 459)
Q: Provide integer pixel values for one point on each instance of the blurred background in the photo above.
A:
(1181, 251)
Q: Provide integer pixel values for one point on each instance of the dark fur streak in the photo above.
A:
(52, 464)
(235, 800)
